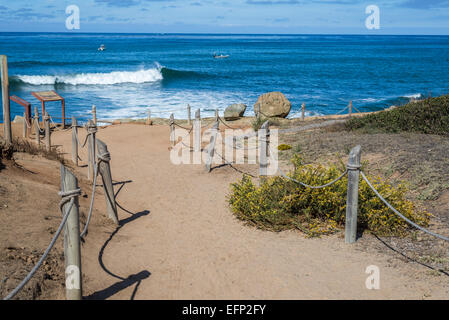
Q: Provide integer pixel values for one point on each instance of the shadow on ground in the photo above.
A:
(124, 282)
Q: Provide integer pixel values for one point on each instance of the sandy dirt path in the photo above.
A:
(184, 243)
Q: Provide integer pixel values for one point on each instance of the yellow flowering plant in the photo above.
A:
(279, 204)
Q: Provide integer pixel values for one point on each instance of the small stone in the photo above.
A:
(234, 111)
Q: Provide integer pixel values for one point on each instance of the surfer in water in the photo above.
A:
(220, 56)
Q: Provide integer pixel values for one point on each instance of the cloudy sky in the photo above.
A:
(228, 16)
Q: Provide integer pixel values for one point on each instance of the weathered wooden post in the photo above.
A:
(91, 131)
(36, 126)
(94, 114)
(172, 129)
(258, 111)
(47, 131)
(263, 135)
(149, 122)
(25, 131)
(197, 132)
(216, 114)
(188, 114)
(303, 111)
(104, 168)
(74, 141)
(211, 149)
(72, 246)
(352, 195)
(5, 99)
(350, 108)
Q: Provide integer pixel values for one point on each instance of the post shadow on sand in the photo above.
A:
(233, 167)
(124, 282)
(122, 183)
(409, 258)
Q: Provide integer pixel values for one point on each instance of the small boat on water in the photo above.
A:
(220, 56)
(102, 48)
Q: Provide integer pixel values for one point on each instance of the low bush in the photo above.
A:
(257, 123)
(280, 204)
(283, 147)
(429, 116)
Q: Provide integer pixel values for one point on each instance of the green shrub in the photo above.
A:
(429, 116)
(257, 123)
(280, 204)
(283, 147)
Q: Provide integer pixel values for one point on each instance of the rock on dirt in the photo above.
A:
(234, 111)
(273, 104)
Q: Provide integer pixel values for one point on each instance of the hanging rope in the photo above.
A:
(104, 157)
(398, 213)
(68, 196)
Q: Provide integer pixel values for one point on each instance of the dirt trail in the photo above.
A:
(184, 243)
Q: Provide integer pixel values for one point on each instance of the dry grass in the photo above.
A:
(26, 146)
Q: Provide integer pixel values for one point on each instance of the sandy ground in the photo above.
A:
(182, 242)
(29, 218)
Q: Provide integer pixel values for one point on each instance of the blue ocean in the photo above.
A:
(165, 72)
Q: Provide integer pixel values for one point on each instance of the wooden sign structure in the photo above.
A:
(47, 96)
(27, 107)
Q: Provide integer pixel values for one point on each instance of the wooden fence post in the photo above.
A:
(72, 246)
(188, 114)
(74, 141)
(303, 111)
(149, 122)
(172, 129)
(47, 131)
(211, 149)
(25, 131)
(352, 194)
(263, 135)
(91, 130)
(94, 114)
(105, 171)
(36, 126)
(5, 100)
(350, 108)
(216, 114)
(197, 132)
(258, 112)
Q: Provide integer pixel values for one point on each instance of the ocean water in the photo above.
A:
(168, 71)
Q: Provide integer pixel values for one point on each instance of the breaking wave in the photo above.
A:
(116, 77)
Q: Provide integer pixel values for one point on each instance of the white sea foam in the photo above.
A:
(116, 77)
(135, 103)
(370, 100)
(414, 96)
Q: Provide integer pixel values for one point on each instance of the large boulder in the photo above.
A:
(273, 104)
(234, 111)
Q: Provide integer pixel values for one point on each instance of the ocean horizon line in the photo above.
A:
(225, 34)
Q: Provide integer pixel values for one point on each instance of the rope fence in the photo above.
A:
(22, 284)
(99, 164)
(353, 211)
(353, 170)
(70, 192)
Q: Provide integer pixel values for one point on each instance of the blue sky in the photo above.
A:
(228, 16)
